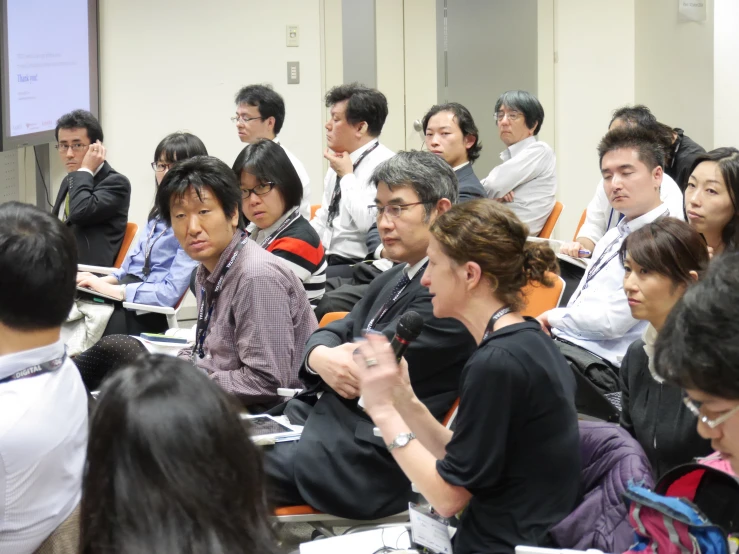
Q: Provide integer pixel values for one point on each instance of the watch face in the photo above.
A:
(402, 440)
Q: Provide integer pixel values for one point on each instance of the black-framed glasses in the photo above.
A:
(159, 167)
(260, 190)
(77, 147)
(244, 119)
(393, 211)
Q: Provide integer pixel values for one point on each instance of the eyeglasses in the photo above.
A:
(243, 119)
(160, 167)
(75, 147)
(695, 408)
(260, 190)
(512, 116)
(393, 211)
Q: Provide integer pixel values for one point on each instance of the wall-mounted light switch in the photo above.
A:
(293, 73)
(293, 35)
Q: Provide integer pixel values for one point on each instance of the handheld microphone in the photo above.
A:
(408, 329)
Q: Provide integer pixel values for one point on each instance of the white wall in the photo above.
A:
(594, 74)
(166, 68)
(726, 74)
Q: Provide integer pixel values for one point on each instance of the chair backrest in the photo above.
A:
(313, 210)
(451, 415)
(546, 231)
(330, 317)
(65, 539)
(540, 298)
(579, 225)
(131, 230)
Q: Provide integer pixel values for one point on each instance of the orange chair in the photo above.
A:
(313, 210)
(546, 231)
(579, 225)
(330, 317)
(131, 230)
(540, 298)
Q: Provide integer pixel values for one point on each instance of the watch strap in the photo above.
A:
(403, 439)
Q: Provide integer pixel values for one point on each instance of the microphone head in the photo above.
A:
(409, 326)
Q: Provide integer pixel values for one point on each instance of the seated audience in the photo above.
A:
(600, 215)
(660, 261)
(171, 467)
(271, 193)
(697, 350)
(93, 198)
(412, 190)
(43, 405)
(253, 315)
(517, 393)
(260, 113)
(451, 134)
(596, 328)
(526, 180)
(711, 198)
(156, 270)
(358, 114)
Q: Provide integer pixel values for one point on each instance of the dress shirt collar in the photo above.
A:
(650, 338)
(460, 166)
(411, 270)
(354, 156)
(515, 149)
(11, 363)
(625, 227)
(212, 278)
(262, 233)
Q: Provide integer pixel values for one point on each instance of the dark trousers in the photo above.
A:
(340, 266)
(342, 293)
(127, 322)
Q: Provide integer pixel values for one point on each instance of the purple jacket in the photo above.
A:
(611, 459)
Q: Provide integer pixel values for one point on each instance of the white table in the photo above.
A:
(366, 542)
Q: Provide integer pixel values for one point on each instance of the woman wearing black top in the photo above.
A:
(660, 261)
(513, 460)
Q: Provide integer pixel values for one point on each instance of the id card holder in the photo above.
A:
(429, 531)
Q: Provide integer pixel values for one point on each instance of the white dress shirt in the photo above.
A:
(601, 217)
(597, 317)
(304, 179)
(348, 234)
(528, 169)
(43, 441)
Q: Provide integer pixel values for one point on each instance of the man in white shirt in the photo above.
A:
(260, 113)
(358, 114)
(597, 322)
(43, 404)
(526, 180)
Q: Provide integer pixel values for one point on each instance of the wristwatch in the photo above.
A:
(401, 440)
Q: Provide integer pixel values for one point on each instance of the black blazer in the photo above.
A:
(98, 213)
(470, 188)
(340, 466)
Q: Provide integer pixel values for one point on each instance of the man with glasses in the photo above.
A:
(411, 190)
(260, 113)
(697, 350)
(93, 198)
(526, 179)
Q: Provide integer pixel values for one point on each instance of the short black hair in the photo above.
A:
(697, 348)
(268, 162)
(463, 117)
(649, 150)
(80, 119)
(198, 172)
(641, 116)
(526, 103)
(38, 264)
(269, 103)
(364, 104)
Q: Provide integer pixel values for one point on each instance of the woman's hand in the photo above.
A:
(99, 285)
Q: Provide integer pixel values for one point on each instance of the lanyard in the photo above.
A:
(493, 319)
(146, 270)
(285, 224)
(204, 315)
(390, 301)
(333, 207)
(39, 369)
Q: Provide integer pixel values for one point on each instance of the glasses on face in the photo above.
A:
(75, 147)
(393, 211)
(512, 116)
(260, 190)
(243, 119)
(159, 167)
(695, 408)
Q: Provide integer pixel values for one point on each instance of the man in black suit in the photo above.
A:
(451, 134)
(338, 466)
(93, 198)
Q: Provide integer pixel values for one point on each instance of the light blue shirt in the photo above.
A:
(170, 267)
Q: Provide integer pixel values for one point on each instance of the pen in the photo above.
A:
(584, 252)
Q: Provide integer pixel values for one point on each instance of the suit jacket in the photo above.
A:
(470, 188)
(340, 466)
(98, 212)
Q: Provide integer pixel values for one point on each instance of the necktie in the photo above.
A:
(399, 286)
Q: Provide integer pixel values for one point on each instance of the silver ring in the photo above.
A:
(370, 362)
